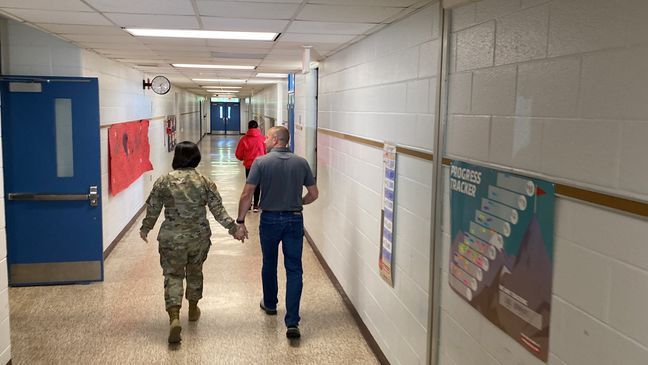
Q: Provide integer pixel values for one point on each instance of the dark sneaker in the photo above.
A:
(293, 332)
(270, 312)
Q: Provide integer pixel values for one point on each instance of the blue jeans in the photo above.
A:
(288, 228)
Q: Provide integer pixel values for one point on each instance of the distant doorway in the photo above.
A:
(225, 118)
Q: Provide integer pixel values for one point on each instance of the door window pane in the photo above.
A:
(64, 147)
(221, 111)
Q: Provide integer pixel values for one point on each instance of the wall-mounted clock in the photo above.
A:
(160, 85)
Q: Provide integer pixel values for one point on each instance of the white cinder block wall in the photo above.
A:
(267, 105)
(121, 99)
(559, 88)
(381, 88)
(305, 136)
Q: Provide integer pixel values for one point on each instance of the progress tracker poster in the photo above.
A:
(501, 255)
(387, 214)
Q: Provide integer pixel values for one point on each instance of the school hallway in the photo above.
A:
(481, 169)
(122, 320)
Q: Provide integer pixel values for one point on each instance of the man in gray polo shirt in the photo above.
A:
(282, 176)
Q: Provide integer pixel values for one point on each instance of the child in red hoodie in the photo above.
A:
(249, 148)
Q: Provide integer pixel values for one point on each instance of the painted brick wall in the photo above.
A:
(558, 88)
(381, 88)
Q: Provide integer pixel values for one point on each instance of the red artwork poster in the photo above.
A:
(128, 147)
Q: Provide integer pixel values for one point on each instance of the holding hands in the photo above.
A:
(241, 232)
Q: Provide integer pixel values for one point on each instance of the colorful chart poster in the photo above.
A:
(501, 255)
(388, 207)
(129, 149)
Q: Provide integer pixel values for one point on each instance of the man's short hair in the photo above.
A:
(281, 133)
(253, 124)
(187, 155)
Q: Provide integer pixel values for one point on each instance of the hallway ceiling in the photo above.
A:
(326, 25)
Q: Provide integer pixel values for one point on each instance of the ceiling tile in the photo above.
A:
(281, 65)
(179, 52)
(133, 53)
(82, 29)
(306, 39)
(283, 57)
(318, 46)
(299, 26)
(60, 17)
(224, 44)
(338, 13)
(391, 3)
(172, 42)
(154, 21)
(155, 61)
(296, 51)
(246, 10)
(118, 46)
(270, 1)
(239, 50)
(68, 5)
(173, 7)
(244, 25)
(93, 38)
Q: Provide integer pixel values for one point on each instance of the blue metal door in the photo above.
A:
(225, 117)
(217, 118)
(233, 118)
(52, 175)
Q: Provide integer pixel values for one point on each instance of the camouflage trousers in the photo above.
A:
(180, 260)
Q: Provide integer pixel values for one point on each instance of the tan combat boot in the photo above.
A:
(174, 321)
(194, 311)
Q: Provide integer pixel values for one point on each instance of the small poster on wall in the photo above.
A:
(128, 148)
(501, 255)
(171, 132)
(387, 214)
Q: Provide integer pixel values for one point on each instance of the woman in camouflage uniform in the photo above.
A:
(184, 235)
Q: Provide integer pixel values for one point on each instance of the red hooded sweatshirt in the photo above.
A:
(250, 147)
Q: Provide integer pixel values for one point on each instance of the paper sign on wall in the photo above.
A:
(129, 149)
(387, 215)
(501, 255)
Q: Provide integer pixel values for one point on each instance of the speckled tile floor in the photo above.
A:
(122, 320)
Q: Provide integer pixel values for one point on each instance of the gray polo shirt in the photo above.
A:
(281, 175)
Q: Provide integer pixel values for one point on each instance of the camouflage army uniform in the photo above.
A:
(184, 235)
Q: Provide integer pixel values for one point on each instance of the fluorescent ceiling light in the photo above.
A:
(264, 74)
(223, 91)
(221, 80)
(224, 67)
(221, 87)
(203, 34)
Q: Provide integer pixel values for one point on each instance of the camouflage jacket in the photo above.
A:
(184, 193)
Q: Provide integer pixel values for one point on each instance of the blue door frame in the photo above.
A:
(52, 177)
(291, 110)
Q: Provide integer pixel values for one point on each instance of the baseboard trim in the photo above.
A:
(121, 234)
(371, 341)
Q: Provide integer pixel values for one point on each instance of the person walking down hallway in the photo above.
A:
(282, 175)
(184, 234)
(249, 148)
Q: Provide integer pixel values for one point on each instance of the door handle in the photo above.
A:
(92, 196)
